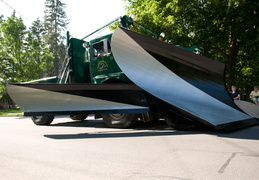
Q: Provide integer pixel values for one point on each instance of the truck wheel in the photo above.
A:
(42, 120)
(120, 120)
(79, 117)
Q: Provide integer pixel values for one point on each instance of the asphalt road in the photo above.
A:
(89, 150)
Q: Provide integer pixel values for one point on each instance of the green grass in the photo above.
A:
(7, 112)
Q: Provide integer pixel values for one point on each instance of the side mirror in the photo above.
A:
(85, 45)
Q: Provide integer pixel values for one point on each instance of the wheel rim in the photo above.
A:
(117, 116)
(38, 117)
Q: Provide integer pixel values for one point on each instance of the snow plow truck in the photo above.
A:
(125, 77)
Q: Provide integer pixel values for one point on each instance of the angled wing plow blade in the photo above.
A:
(188, 82)
(61, 99)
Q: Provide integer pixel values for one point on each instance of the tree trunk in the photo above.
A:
(231, 62)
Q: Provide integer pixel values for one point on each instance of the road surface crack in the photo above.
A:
(225, 165)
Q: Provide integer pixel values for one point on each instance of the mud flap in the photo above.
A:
(67, 99)
(192, 83)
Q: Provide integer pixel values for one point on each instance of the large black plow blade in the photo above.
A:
(190, 84)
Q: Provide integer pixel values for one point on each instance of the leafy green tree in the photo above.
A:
(12, 42)
(226, 29)
(56, 21)
(23, 55)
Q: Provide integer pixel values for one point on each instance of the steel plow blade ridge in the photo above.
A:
(192, 83)
(61, 99)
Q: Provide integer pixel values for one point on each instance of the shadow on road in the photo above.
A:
(87, 123)
(100, 124)
(122, 134)
(153, 129)
(251, 133)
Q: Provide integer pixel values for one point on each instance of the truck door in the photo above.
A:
(79, 61)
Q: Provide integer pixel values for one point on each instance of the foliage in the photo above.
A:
(226, 29)
(26, 54)
(23, 54)
(1, 18)
(55, 22)
(10, 112)
(38, 52)
(12, 60)
(5, 97)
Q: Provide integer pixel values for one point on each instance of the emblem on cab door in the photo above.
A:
(102, 66)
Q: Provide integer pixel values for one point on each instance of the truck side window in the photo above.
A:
(102, 48)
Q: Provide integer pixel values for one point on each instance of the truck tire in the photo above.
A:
(42, 120)
(79, 117)
(120, 120)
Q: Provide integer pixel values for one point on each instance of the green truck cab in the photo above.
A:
(93, 62)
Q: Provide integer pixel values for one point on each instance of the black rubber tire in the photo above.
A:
(174, 117)
(42, 120)
(120, 120)
(79, 117)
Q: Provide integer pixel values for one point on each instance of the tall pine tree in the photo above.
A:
(55, 22)
(38, 55)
